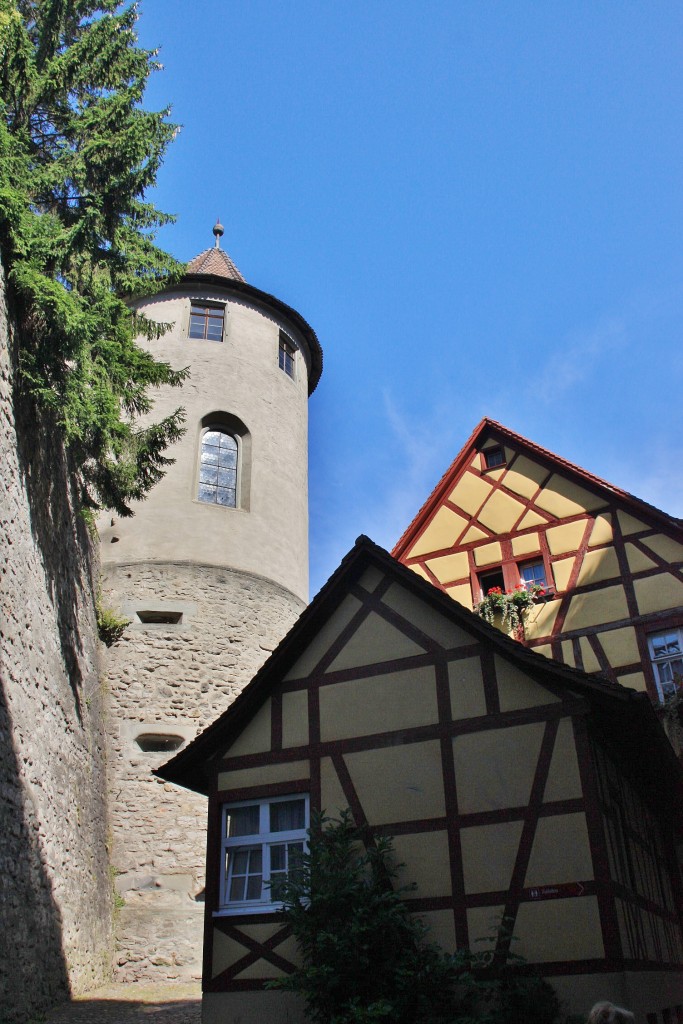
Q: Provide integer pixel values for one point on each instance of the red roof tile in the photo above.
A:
(214, 261)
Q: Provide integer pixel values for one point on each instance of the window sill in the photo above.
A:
(246, 911)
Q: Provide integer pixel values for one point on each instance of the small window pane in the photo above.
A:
(254, 887)
(210, 456)
(237, 889)
(225, 497)
(243, 821)
(533, 573)
(494, 457)
(287, 815)
(208, 474)
(212, 437)
(226, 477)
(278, 858)
(227, 457)
(206, 322)
(665, 645)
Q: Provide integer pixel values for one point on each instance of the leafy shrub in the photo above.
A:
(366, 958)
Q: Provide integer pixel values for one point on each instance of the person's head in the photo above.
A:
(607, 1013)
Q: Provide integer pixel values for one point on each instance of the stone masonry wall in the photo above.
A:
(55, 887)
(174, 680)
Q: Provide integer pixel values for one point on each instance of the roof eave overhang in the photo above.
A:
(275, 305)
(619, 711)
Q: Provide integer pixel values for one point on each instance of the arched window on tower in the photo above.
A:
(218, 468)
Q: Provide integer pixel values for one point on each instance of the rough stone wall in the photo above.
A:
(55, 887)
(174, 680)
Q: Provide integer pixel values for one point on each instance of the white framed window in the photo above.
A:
(666, 652)
(262, 841)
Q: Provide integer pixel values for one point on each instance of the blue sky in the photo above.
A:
(478, 207)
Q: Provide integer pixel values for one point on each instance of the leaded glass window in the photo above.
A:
(218, 468)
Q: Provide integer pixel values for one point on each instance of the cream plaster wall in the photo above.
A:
(241, 377)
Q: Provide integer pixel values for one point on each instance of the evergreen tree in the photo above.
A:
(78, 154)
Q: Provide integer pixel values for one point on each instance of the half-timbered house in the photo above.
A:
(508, 512)
(515, 786)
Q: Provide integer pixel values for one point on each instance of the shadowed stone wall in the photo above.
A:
(55, 888)
(172, 680)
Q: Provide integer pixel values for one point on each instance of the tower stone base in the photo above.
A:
(197, 635)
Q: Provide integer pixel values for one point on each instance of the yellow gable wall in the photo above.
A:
(564, 781)
(295, 718)
(244, 778)
(505, 762)
(541, 531)
(667, 548)
(325, 636)
(566, 929)
(332, 798)
(426, 863)
(255, 737)
(605, 605)
(560, 851)
(561, 497)
(525, 477)
(437, 627)
(467, 688)
(374, 640)
(598, 566)
(360, 707)
(449, 567)
(470, 493)
(516, 690)
(401, 783)
(488, 855)
(501, 512)
(657, 592)
(442, 532)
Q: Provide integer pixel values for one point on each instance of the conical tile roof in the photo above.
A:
(216, 262)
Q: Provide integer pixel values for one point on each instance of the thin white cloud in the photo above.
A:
(578, 359)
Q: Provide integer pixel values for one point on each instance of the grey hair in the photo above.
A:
(607, 1013)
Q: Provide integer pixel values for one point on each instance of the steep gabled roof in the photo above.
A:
(216, 262)
(488, 428)
(625, 715)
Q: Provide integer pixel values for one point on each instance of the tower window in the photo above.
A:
(206, 322)
(218, 469)
(286, 355)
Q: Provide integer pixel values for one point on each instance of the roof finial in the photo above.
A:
(218, 231)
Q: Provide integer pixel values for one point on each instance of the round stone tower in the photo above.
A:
(211, 571)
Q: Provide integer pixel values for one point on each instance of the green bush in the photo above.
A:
(366, 958)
